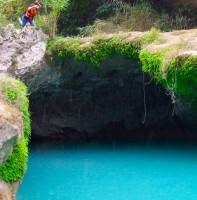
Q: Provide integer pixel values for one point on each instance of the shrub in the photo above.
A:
(78, 13)
(50, 13)
(139, 16)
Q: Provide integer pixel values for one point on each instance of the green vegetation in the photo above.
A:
(10, 10)
(177, 74)
(151, 36)
(15, 92)
(95, 53)
(3, 20)
(96, 18)
(77, 14)
(88, 17)
(13, 169)
(47, 18)
(100, 48)
(49, 15)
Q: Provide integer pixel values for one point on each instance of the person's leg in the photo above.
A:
(32, 23)
(24, 21)
(20, 21)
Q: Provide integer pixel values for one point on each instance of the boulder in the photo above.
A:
(21, 51)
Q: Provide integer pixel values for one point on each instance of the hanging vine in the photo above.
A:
(172, 89)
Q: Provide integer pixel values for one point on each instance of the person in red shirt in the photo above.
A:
(28, 17)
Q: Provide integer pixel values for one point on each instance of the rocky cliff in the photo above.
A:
(22, 51)
(14, 135)
(11, 129)
(95, 83)
(142, 83)
(79, 97)
(90, 84)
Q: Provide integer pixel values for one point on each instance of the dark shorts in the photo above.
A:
(25, 20)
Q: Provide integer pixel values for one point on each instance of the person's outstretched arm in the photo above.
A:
(37, 5)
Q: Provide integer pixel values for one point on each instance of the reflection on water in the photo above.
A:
(110, 171)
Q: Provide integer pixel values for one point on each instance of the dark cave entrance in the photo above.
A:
(74, 101)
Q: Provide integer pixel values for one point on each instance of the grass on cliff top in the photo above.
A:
(15, 92)
(96, 49)
(159, 53)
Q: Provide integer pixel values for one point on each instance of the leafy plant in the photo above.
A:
(104, 10)
(47, 20)
(151, 36)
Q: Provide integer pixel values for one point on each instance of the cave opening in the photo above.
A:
(74, 101)
(89, 140)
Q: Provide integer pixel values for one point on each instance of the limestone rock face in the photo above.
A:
(5, 191)
(11, 127)
(73, 96)
(8, 190)
(21, 51)
(68, 95)
(186, 109)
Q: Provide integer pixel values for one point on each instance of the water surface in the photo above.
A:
(110, 171)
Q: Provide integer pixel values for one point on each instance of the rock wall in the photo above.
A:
(69, 96)
(72, 96)
(7, 190)
(11, 128)
(14, 135)
(21, 51)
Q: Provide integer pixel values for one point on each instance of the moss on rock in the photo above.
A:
(169, 58)
(179, 75)
(13, 169)
(15, 92)
(92, 53)
(175, 71)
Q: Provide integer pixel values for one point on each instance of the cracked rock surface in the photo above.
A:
(21, 51)
(11, 128)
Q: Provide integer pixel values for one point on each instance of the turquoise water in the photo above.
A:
(110, 171)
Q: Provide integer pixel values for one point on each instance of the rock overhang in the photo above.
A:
(80, 55)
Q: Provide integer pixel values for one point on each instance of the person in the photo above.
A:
(28, 17)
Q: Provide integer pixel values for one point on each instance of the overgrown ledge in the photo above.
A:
(169, 58)
(91, 83)
(14, 134)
